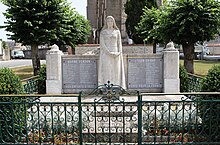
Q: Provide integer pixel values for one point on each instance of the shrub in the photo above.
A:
(184, 79)
(209, 108)
(211, 82)
(42, 80)
(9, 82)
(12, 114)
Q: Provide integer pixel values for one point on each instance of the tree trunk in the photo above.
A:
(35, 59)
(73, 50)
(154, 47)
(188, 50)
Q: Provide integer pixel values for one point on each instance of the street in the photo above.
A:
(18, 63)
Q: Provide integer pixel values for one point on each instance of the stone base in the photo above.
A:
(53, 87)
(171, 85)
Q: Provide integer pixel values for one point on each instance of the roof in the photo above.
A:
(213, 45)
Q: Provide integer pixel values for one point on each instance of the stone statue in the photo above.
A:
(170, 46)
(111, 66)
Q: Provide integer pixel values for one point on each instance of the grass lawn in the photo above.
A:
(201, 67)
(23, 72)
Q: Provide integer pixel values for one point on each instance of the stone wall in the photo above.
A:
(127, 49)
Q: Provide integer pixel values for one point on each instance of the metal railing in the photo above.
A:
(110, 115)
(30, 85)
(195, 83)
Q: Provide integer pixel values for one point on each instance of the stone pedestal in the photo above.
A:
(6, 54)
(54, 73)
(171, 71)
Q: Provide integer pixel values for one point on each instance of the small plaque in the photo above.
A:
(79, 74)
(145, 73)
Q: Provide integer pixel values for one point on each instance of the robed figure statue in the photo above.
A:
(111, 66)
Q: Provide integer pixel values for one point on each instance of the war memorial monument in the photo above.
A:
(145, 72)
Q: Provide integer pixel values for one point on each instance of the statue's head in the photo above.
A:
(110, 22)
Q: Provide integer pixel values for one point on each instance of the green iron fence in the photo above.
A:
(30, 85)
(110, 115)
(195, 83)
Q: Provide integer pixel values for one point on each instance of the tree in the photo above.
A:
(134, 10)
(33, 23)
(75, 29)
(148, 26)
(186, 22)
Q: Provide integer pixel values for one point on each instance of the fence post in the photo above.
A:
(80, 119)
(139, 118)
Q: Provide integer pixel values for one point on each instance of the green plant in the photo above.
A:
(12, 113)
(9, 82)
(211, 82)
(42, 80)
(147, 27)
(44, 22)
(134, 10)
(209, 108)
(184, 79)
(186, 22)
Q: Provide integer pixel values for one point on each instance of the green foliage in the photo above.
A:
(42, 80)
(83, 29)
(9, 82)
(186, 22)
(212, 80)
(44, 22)
(75, 29)
(148, 26)
(191, 21)
(184, 79)
(12, 114)
(33, 21)
(209, 111)
(134, 10)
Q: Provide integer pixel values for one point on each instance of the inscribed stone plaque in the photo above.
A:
(79, 73)
(145, 73)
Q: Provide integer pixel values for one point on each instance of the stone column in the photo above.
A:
(6, 54)
(1, 48)
(171, 70)
(54, 74)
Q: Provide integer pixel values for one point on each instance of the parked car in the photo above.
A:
(17, 54)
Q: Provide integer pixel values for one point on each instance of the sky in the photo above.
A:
(80, 6)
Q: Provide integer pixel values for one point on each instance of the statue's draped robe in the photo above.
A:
(111, 66)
